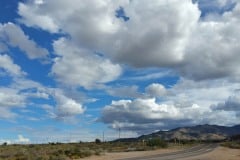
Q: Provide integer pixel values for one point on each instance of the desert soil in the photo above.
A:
(220, 153)
(122, 155)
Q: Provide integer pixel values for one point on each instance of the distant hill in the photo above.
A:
(199, 132)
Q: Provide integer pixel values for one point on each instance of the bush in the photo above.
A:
(157, 142)
(4, 144)
(233, 145)
(97, 141)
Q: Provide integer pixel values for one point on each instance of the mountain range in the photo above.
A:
(199, 132)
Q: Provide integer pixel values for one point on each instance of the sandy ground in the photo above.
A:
(120, 155)
(220, 153)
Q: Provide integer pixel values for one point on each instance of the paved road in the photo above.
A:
(191, 152)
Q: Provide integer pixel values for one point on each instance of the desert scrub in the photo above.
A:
(157, 142)
(234, 145)
(47, 151)
(67, 151)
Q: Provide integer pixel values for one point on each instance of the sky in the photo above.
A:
(78, 70)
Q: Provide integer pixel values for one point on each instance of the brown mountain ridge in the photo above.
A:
(200, 132)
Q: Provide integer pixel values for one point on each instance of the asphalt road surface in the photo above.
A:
(191, 152)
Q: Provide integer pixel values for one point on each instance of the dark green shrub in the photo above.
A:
(156, 142)
(97, 141)
(4, 144)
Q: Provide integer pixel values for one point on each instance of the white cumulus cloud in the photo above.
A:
(158, 29)
(14, 36)
(157, 34)
(22, 139)
(186, 103)
(66, 107)
(79, 67)
(8, 66)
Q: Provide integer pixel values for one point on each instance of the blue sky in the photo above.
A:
(71, 72)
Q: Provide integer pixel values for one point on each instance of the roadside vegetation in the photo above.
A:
(47, 151)
(61, 151)
(234, 142)
(71, 151)
(157, 142)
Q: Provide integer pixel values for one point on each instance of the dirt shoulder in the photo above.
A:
(220, 153)
(122, 155)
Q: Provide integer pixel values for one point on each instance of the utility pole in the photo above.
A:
(119, 130)
(103, 137)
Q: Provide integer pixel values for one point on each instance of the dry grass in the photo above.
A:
(66, 151)
(232, 144)
(47, 151)
(107, 150)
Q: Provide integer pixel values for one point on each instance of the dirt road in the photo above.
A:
(191, 152)
(196, 153)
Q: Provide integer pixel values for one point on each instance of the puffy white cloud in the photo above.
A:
(13, 35)
(147, 115)
(15, 97)
(158, 33)
(186, 103)
(153, 29)
(19, 93)
(22, 139)
(147, 39)
(214, 49)
(146, 109)
(79, 67)
(11, 98)
(66, 107)
(156, 90)
(50, 15)
(8, 66)
(204, 93)
(142, 114)
(33, 18)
